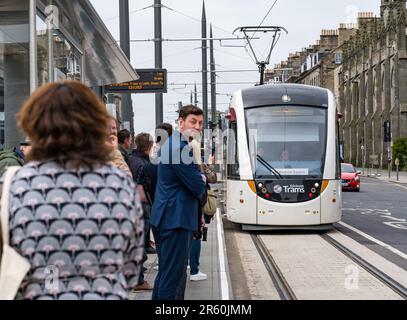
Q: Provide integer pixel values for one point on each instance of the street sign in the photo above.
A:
(374, 159)
(397, 162)
(151, 81)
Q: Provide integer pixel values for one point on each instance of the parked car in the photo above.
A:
(350, 177)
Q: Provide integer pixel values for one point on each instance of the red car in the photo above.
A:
(350, 177)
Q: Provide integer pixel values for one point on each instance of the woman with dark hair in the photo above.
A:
(162, 133)
(69, 208)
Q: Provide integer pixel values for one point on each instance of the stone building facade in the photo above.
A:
(318, 69)
(365, 66)
(314, 65)
(371, 84)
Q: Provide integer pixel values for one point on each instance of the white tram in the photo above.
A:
(283, 167)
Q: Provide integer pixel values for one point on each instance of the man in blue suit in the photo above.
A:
(175, 214)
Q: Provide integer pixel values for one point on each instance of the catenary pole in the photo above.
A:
(204, 69)
(159, 110)
(213, 81)
(126, 103)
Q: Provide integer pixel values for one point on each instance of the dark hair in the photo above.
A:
(66, 122)
(123, 135)
(163, 126)
(144, 142)
(185, 111)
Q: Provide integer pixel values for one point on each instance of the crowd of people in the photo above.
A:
(81, 208)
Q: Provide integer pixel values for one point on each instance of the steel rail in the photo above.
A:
(283, 288)
(381, 276)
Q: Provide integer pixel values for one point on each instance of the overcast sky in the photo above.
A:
(181, 19)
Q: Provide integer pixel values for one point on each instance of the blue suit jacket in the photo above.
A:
(179, 187)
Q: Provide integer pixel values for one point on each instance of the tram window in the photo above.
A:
(292, 140)
(232, 149)
(338, 153)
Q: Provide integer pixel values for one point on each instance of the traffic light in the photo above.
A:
(387, 131)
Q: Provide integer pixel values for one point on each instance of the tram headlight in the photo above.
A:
(313, 190)
(316, 185)
(286, 98)
(260, 185)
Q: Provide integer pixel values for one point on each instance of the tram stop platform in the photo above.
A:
(213, 262)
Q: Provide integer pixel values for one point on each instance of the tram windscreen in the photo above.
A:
(287, 142)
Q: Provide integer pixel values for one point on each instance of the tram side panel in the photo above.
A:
(241, 202)
(331, 203)
(331, 198)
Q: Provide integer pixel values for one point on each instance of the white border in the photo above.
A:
(380, 243)
(224, 285)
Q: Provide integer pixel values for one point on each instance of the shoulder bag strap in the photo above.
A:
(4, 213)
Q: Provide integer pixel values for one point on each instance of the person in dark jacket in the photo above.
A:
(176, 208)
(124, 139)
(163, 132)
(137, 161)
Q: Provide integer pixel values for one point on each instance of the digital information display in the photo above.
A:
(151, 81)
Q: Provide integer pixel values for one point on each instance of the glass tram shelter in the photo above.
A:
(44, 41)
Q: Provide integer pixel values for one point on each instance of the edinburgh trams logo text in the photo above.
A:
(277, 189)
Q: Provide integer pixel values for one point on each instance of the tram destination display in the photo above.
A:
(150, 81)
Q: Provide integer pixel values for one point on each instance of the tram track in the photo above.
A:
(283, 288)
(379, 275)
(286, 292)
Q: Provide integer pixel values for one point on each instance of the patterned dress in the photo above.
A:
(82, 231)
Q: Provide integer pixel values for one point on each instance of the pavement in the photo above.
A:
(384, 175)
(213, 262)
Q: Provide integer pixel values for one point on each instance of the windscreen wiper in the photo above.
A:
(269, 167)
